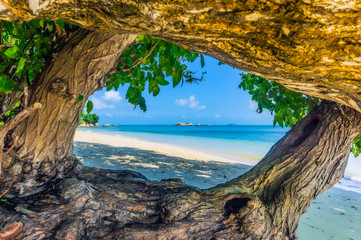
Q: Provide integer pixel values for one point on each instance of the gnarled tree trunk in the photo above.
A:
(306, 46)
(264, 203)
(42, 143)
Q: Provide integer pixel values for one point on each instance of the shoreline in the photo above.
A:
(169, 149)
(157, 161)
(188, 153)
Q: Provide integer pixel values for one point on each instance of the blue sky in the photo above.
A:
(217, 100)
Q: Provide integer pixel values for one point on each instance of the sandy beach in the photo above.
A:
(335, 214)
(157, 161)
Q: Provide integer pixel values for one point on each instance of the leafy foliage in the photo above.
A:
(148, 63)
(11, 113)
(24, 48)
(356, 146)
(287, 106)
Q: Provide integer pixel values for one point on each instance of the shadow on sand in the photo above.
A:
(156, 166)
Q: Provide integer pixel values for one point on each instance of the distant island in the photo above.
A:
(189, 124)
(96, 125)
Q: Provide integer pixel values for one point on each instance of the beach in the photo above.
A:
(156, 161)
(335, 214)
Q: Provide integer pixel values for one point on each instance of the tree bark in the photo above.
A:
(51, 198)
(307, 46)
(42, 144)
(264, 203)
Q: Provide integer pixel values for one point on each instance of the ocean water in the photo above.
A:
(229, 140)
(232, 141)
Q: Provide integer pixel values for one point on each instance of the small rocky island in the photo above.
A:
(188, 124)
(183, 124)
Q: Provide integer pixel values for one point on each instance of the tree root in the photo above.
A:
(107, 204)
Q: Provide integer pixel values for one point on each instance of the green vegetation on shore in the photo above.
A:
(88, 119)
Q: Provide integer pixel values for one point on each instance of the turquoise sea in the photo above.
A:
(229, 140)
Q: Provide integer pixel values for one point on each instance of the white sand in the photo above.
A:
(163, 148)
(335, 214)
(157, 161)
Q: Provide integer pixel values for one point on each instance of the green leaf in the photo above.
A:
(41, 23)
(89, 106)
(12, 52)
(80, 97)
(175, 50)
(130, 92)
(6, 84)
(156, 91)
(140, 38)
(161, 81)
(60, 23)
(202, 61)
(177, 77)
(50, 26)
(31, 75)
(21, 64)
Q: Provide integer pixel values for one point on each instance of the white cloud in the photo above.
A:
(252, 104)
(108, 114)
(181, 102)
(112, 96)
(99, 104)
(217, 115)
(192, 102)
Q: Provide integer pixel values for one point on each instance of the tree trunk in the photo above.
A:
(42, 144)
(308, 160)
(264, 203)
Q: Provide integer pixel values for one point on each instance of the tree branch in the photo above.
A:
(6, 45)
(18, 118)
(25, 96)
(141, 60)
(10, 125)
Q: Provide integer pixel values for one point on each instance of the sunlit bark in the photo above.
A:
(308, 46)
(43, 142)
